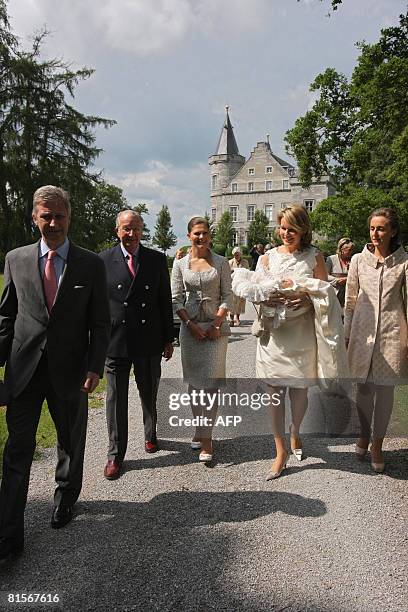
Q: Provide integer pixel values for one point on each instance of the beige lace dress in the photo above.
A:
(202, 294)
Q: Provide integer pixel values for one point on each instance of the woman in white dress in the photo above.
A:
(287, 354)
(202, 296)
(238, 303)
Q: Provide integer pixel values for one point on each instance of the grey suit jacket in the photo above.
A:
(75, 334)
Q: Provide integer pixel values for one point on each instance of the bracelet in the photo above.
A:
(216, 326)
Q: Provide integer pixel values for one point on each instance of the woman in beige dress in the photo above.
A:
(202, 296)
(238, 303)
(375, 321)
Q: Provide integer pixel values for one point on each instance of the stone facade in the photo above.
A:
(262, 182)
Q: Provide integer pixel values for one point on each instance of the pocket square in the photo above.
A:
(79, 287)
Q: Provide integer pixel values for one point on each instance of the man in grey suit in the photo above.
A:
(54, 332)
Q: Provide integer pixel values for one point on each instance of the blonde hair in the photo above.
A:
(297, 217)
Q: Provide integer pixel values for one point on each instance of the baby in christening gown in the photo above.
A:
(261, 285)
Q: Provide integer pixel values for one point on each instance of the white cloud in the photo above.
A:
(138, 27)
(185, 190)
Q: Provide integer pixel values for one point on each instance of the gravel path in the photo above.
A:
(174, 535)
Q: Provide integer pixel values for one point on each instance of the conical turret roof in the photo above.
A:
(227, 145)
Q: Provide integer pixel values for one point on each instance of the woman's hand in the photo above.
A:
(196, 331)
(213, 333)
(276, 299)
(297, 300)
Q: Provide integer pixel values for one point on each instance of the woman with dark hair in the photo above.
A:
(375, 319)
(202, 296)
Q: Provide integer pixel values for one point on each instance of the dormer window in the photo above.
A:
(251, 171)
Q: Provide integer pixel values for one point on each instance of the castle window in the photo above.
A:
(213, 214)
(268, 185)
(234, 187)
(214, 181)
(250, 186)
(268, 169)
(251, 171)
(309, 204)
(234, 238)
(250, 213)
(233, 211)
(269, 211)
(285, 184)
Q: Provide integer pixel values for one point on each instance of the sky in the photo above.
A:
(165, 69)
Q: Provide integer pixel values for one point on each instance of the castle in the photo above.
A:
(263, 182)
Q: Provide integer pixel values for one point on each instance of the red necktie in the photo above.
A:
(131, 265)
(50, 280)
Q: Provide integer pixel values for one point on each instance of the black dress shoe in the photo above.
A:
(10, 548)
(61, 516)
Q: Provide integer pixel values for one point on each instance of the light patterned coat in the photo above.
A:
(375, 316)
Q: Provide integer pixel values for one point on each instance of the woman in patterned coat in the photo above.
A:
(376, 329)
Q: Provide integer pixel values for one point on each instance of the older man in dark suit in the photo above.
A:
(141, 333)
(54, 332)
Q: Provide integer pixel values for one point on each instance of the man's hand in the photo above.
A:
(91, 382)
(342, 280)
(168, 351)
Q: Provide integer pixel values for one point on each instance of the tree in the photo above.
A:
(95, 226)
(357, 131)
(141, 208)
(258, 232)
(43, 138)
(210, 224)
(224, 232)
(164, 237)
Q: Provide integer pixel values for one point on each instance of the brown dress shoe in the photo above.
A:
(112, 469)
(151, 447)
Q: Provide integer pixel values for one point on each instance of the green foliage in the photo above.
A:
(219, 249)
(258, 229)
(334, 4)
(164, 237)
(45, 140)
(95, 226)
(210, 224)
(224, 232)
(357, 131)
(142, 209)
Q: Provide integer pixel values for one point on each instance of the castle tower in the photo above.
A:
(226, 161)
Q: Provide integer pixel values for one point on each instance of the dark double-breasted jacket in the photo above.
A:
(140, 307)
